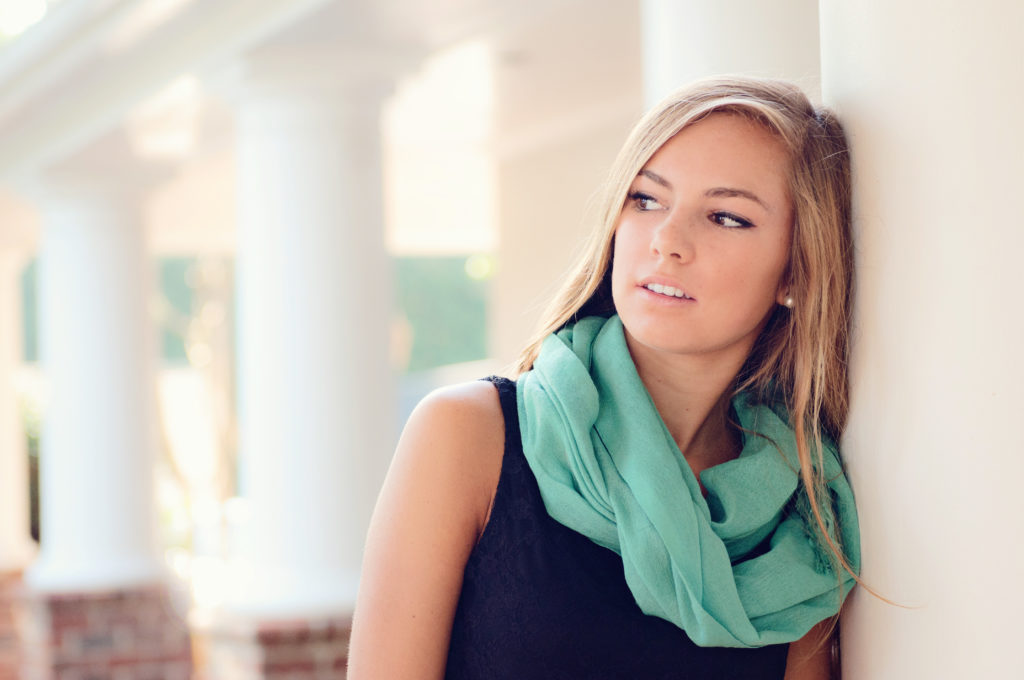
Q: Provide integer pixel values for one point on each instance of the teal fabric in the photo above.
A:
(743, 567)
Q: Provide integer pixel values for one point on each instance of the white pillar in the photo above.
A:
(97, 345)
(16, 547)
(684, 40)
(314, 311)
(931, 98)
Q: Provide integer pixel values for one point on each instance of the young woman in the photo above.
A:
(659, 494)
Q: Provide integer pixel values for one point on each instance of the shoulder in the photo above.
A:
(458, 421)
(454, 440)
(473, 404)
(429, 516)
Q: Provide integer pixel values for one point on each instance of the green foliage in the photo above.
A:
(30, 315)
(443, 299)
(446, 310)
(177, 295)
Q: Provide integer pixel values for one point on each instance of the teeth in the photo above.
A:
(666, 290)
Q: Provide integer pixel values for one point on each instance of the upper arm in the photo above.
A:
(429, 515)
(810, 657)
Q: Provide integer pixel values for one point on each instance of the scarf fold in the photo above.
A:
(744, 567)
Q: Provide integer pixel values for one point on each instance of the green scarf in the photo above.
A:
(744, 567)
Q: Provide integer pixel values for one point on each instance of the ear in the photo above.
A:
(783, 295)
(785, 290)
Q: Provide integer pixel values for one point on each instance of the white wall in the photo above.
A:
(932, 98)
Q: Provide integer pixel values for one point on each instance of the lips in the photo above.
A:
(666, 289)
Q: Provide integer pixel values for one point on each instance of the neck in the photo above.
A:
(692, 395)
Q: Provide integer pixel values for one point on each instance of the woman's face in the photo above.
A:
(702, 243)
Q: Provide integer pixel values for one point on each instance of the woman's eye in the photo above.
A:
(729, 220)
(644, 202)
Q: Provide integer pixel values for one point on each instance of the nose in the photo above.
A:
(672, 239)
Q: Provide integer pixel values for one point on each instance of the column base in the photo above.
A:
(11, 648)
(296, 649)
(126, 634)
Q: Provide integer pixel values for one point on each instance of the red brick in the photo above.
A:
(11, 644)
(316, 649)
(72, 636)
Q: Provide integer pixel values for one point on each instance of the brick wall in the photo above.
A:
(129, 634)
(273, 650)
(10, 639)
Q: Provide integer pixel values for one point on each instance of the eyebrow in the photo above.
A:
(656, 178)
(715, 192)
(729, 192)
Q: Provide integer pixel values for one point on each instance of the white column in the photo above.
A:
(314, 311)
(688, 39)
(16, 547)
(97, 348)
(931, 98)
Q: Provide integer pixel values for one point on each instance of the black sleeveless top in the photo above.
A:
(541, 601)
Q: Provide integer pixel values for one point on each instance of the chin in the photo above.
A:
(680, 339)
(658, 335)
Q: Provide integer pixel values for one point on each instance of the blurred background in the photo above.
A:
(240, 240)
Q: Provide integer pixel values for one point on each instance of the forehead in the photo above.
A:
(726, 150)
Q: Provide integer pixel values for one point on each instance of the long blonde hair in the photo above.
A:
(801, 355)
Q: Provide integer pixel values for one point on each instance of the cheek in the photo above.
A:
(617, 269)
(620, 261)
(755, 280)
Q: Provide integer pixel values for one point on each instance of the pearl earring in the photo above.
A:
(789, 301)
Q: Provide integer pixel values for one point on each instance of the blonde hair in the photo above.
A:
(801, 355)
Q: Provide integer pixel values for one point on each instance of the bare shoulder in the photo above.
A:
(451, 451)
(461, 430)
(429, 515)
(471, 404)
